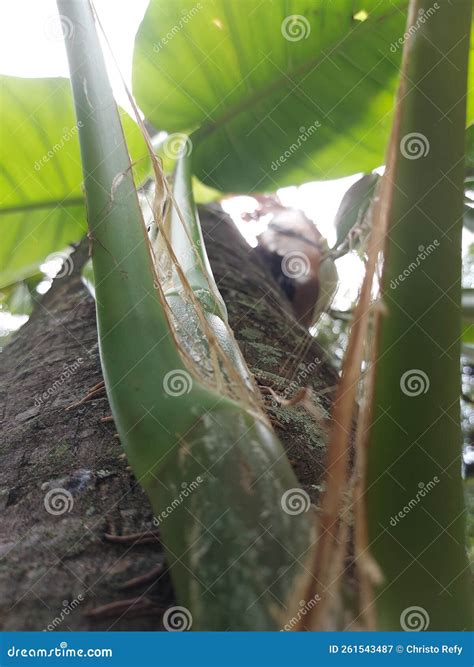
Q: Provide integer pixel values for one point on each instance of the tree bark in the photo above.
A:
(56, 567)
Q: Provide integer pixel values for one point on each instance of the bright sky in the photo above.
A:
(31, 42)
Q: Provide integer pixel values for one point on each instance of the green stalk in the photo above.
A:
(214, 470)
(184, 233)
(186, 238)
(414, 494)
(128, 305)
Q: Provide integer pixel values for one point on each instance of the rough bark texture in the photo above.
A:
(54, 568)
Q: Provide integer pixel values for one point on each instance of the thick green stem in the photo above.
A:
(136, 344)
(216, 474)
(414, 492)
(188, 244)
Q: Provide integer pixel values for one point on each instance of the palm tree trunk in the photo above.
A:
(59, 566)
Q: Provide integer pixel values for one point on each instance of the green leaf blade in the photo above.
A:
(268, 111)
(41, 199)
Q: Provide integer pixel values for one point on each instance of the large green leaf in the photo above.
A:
(281, 91)
(41, 199)
(272, 99)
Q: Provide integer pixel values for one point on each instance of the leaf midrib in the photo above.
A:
(209, 128)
